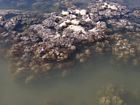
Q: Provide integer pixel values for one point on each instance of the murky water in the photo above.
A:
(79, 88)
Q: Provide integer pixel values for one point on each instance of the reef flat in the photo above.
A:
(40, 44)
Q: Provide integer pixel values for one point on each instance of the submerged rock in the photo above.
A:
(46, 43)
(114, 95)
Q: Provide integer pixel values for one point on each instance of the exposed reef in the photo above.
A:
(41, 44)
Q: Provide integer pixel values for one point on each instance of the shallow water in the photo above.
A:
(79, 88)
(27, 4)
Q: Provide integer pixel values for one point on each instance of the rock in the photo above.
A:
(65, 13)
(77, 11)
(75, 22)
(112, 7)
(60, 38)
(63, 24)
(77, 28)
(83, 12)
